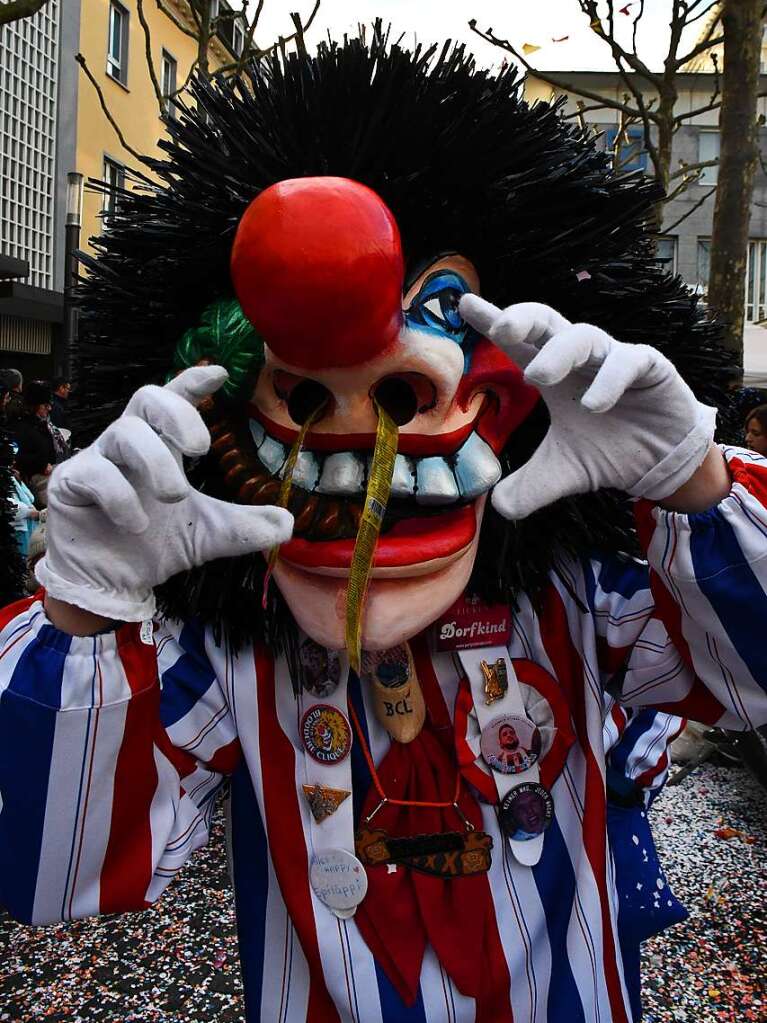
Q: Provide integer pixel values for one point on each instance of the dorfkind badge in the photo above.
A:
(470, 623)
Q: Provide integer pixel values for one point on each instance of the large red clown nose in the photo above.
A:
(317, 267)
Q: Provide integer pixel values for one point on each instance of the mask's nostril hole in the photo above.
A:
(398, 397)
(305, 398)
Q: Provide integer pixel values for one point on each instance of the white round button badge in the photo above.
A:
(338, 880)
(510, 744)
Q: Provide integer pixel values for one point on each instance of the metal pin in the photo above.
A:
(372, 814)
(466, 822)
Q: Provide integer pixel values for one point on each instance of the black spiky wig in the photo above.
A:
(465, 165)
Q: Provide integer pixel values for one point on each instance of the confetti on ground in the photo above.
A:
(177, 962)
(713, 967)
(174, 963)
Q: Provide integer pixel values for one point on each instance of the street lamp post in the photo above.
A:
(71, 263)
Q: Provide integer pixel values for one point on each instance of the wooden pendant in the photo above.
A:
(448, 854)
(397, 695)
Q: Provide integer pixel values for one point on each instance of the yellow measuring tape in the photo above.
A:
(376, 499)
(284, 494)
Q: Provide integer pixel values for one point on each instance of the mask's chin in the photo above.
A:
(400, 602)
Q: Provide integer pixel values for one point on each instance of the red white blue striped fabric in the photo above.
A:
(637, 746)
(107, 777)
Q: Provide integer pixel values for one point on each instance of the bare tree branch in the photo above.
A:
(15, 10)
(692, 209)
(247, 44)
(688, 168)
(634, 27)
(284, 40)
(706, 42)
(590, 9)
(148, 55)
(543, 76)
(583, 109)
(698, 110)
(107, 113)
(187, 80)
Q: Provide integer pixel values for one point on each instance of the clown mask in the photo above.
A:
(318, 269)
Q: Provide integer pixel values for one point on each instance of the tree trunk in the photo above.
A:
(739, 152)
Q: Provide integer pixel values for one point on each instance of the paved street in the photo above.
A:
(177, 963)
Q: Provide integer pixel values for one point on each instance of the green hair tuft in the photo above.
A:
(224, 336)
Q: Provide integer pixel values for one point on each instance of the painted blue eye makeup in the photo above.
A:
(435, 307)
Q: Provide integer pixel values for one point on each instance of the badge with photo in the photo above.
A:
(510, 744)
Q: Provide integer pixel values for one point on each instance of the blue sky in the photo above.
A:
(518, 20)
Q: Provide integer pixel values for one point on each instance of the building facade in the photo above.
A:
(53, 123)
(688, 218)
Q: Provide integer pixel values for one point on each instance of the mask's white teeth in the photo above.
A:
(476, 467)
(271, 452)
(403, 481)
(306, 473)
(257, 432)
(435, 482)
(342, 473)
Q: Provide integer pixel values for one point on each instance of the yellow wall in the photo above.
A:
(134, 107)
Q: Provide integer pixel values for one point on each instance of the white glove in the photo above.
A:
(123, 517)
(621, 416)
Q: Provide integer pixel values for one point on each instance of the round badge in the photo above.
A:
(326, 734)
(526, 811)
(339, 880)
(510, 744)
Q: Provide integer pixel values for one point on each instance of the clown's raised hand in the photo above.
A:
(122, 517)
(621, 416)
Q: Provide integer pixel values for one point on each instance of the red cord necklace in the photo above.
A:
(386, 801)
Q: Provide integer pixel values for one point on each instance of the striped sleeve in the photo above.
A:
(684, 634)
(637, 751)
(106, 776)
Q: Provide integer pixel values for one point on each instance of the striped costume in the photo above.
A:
(107, 777)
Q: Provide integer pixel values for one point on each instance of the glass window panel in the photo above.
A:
(708, 149)
(665, 252)
(704, 262)
(628, 153)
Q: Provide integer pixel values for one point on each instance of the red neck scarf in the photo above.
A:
(405, 910)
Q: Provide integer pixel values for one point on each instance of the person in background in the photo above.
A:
(35, 551)
(14, 382)
(59, 414)
(26, 515)
(32, 431)
(5, 395)
(756, 429)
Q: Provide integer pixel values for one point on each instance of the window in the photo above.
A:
(708, 149)
(756, 281)
(704, 263)
(117, 43)
(628, 153)
(114, 176)
(665, 250)
(238, 36)
(169, 67)
(756, 276)
(28, 106)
